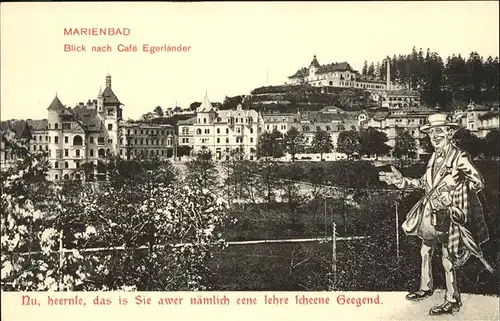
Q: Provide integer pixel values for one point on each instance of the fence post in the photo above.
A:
(334, 255)
(61, 259)
(397, 231)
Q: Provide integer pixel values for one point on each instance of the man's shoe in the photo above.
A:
(419, 295)
(445, 308)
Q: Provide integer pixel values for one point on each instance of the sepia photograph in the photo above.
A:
(313, 153)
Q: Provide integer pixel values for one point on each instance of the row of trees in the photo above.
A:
(366, 142)
(448, 81)
(369, 142)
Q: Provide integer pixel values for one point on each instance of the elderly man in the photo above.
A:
(450, 214)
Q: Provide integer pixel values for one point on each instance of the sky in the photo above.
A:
(235, 47)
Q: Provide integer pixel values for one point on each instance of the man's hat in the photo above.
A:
(437, 120)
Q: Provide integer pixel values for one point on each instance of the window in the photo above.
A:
(77, 153)
(218, 130)
(56, 165)
(251, 130)
(66, 152)
(77, 140)
(227, 130)
(56, 126)
(204, 120)
(66, 165)
(239, 140)
(56, 177)
(218, 140)
(251, 139)
(207, 131)
(91, 153)
(100, 141)
(91, 140)
(110, 126)
(66, 139)
(77, 164)
(227, 140)
(66, 126)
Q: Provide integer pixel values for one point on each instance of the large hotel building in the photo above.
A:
(87, 133)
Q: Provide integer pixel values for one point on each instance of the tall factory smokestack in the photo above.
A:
(388, 77)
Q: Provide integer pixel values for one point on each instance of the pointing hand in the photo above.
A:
(393, 177)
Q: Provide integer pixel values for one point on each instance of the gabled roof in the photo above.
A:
(88, 118)
(322, 69)
(331, 110)
(110, 97)
(56, 105)
(38, 124)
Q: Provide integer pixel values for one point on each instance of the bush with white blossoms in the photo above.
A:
(147, 231)
(32, 219)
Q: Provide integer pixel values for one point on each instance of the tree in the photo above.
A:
(348, 143)
(159, 111)
(371, 70)
(194, 105)
(294, 142)
(365, 68)
(373, 142)
(147, 117)
(202, 171)
(184, 150)
(322, 143)
(271, 145)
(492, 143)
(469, 142)
(405, 145)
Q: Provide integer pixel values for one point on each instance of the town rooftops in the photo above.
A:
(19, 128)
(37, 124)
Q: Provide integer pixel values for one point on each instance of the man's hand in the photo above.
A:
(392, 178)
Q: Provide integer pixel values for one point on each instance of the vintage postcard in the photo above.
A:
(250, 161)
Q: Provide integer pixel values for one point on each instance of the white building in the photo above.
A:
(222, 131)
(334, 75)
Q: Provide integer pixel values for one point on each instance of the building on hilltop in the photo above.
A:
(335, 75)
(399, 98)
(222, 131)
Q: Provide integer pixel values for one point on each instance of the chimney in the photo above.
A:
(108, 81)
(388, 77)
